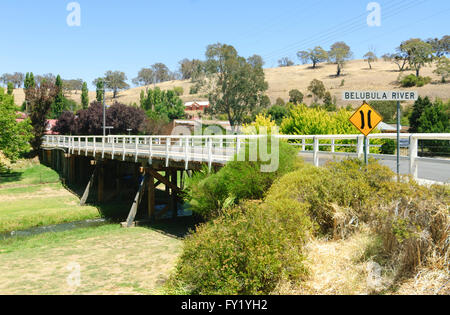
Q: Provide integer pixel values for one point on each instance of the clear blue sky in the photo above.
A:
(128, 35)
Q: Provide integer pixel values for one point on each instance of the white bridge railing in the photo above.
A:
(220, 149)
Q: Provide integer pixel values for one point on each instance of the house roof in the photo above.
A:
(202, 103)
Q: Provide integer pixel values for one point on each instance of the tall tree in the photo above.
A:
(317, 88)
(10, 88)
(100, 89)
(370, 57)
(58, 105)
(295, 96)
(191, 69)
(316, 55)
(441, 46)
(418, 52)
(162, 72)
(443, 68)
(238, 87)
(146, 76)
(115, 81)
(419, 107)
(339, 54)
(84, 96)
(40, 100)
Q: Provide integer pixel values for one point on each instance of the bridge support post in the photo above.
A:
(151, 196)
(88, 188)
(174, 195)
(101, 181)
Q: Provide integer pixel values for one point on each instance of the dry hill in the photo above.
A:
(357, 76)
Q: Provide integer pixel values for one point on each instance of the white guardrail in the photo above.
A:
(220, 149)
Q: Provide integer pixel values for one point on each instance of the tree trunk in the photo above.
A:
(338, 70)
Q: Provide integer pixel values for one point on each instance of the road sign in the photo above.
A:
(380, 96)
(366, 119)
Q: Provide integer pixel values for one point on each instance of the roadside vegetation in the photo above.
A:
(262, 246)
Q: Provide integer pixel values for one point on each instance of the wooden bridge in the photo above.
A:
(106, 159)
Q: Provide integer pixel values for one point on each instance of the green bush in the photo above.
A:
(209, 194)
(411, 80)
(249, 250)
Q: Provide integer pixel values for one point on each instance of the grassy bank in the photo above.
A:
(112, 260)
(32, 195)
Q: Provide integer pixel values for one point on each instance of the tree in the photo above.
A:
(191, 69)
(123, 117)
(164, 104)
(278, 113)
(72, 85)
(441, 47)
(48, 77)
(419, 107)
(10, 88)
(285, 62)
(316, 55)
(162, 72)
(66, 124)
(115, 81)
(40, 99)
(29, 81)
(443, 68)
(339, 53)
(295, 97)
(58, 104)
(370, 57)
(100, 89)
(84, 96)
(90, 120)
(418, 53)
(146, 76)
(238, 85)
(328, 103)
(387, 110)
(14, 136)
(317, 88)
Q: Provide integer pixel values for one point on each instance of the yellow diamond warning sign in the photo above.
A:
(366, 119)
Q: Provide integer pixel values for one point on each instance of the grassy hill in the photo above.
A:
(356, 76)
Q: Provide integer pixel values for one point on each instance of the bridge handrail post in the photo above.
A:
(413, 153)
(167, 151)
(86, 145)
(79, 145)
(316, 151)
(113, 147)
(103, 147)
(186, 153)
(150, 158)
(333, 145)
(95, 145)
(137, 148)
(210, 155)
(360, 147)
(124, 139)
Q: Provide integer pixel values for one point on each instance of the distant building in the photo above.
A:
(197, 106)
(51, 123)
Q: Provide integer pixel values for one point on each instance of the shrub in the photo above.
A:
(414, 227)
(209, 194)
(411, 80)
(249, 250)
(5, 163)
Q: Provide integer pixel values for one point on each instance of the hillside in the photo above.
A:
(357, 76)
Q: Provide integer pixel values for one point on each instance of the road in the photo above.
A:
(427, 170)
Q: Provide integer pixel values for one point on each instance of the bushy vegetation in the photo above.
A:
(14, 136)
(251, 248)
(210, 194)
(411, 80)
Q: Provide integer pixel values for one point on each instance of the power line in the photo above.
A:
(349, 26)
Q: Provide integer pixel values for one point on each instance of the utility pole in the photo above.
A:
(104, 110)
(398, 139)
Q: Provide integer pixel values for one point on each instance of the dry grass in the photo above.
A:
(336, 268)
(357, 76)
(344, 268)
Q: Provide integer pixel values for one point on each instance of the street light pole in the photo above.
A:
(104, 110)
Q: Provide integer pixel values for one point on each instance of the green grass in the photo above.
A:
(112, 260)
(34, 196)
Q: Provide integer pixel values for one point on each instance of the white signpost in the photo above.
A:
(398, 96)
